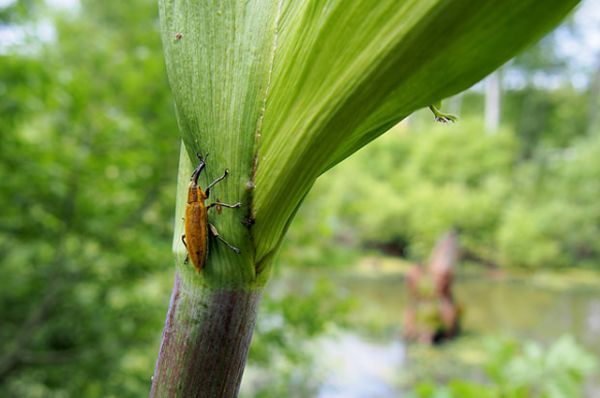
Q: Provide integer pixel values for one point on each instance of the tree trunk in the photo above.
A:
(493, 94)
(594, 96)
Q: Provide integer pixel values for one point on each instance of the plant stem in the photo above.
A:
(205, 341)
(212, 313)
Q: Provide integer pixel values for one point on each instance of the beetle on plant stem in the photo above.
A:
(197, 227)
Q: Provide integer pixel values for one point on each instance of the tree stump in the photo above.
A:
(432, 315)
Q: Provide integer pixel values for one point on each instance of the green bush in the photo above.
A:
(525, 370)
(554, 216)
(408, 188)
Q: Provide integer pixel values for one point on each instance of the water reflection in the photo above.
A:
(508, 305)
(359, 368)
(372, 361)
(369, 358)
(593, 319)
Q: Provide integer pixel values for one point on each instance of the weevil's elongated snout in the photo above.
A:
(198, 170)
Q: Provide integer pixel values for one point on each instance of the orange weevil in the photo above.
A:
(197, 227)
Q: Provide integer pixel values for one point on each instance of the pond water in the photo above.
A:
(528, 307)
(370, 359)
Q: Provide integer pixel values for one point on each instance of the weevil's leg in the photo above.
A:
(235, 206)
(187, 255)
(215, 233)
(212, 184)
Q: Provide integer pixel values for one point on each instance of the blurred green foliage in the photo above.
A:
(544, 122)
(293, 314)
(18, 11)
(405, 190)
(522, 370)
(88, 160)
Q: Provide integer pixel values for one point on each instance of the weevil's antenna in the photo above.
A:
(200, 158)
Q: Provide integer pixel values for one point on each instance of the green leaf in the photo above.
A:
(279, 92)
(218, 57)
(346, 71)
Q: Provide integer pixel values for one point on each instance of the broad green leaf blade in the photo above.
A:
(218, 56)
(280, 91)
(346, 71)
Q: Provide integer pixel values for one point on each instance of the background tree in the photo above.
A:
(78, 242)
